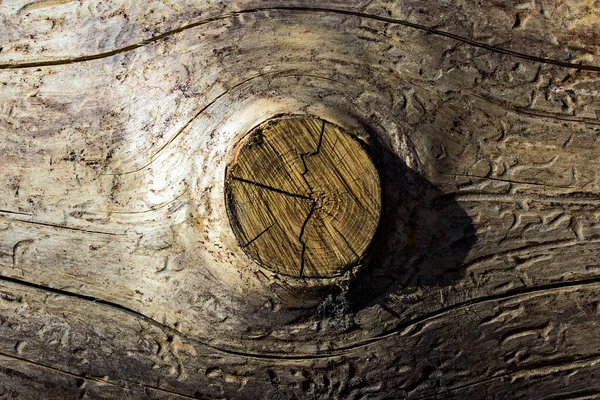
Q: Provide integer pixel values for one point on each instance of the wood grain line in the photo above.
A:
(342, 350)
(491, 178)
(71, 228)
(428, 29)
(557, 365)
(94, 379)
(15, 213)
(549, 245)
(504, 198)
(532, 112)
(188, 123)
(282, 73)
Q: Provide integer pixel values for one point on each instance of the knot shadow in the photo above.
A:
(423, 237)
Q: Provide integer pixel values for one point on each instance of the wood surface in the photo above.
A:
(120, 274)
(303, 197)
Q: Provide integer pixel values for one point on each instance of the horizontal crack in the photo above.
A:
(14, 213)
(271, 188)
(301, 9)
(71, 228)
(48, 224)
(575, 362)
(491, 178)
(532, 112)
(571, 199)
(342, 350)
(531, 248)
(89, 378)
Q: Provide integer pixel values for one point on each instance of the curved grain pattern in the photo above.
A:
(120, 272)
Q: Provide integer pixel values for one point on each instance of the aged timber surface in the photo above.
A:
(122, 277)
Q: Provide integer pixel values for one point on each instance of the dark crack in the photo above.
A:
(302, 254)
(424, 28)
(259, 235)
(315, 202)
(100, 381)
(271, 188)
(71, 228)
(342, 350)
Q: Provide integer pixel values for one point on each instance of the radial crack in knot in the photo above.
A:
(305, 199)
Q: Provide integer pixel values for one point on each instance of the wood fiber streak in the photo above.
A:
(420, 219)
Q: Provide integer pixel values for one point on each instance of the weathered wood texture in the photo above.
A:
(120, 275)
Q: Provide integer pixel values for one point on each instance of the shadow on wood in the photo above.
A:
(423, 237)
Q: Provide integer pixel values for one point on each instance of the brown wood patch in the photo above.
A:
(303, 197)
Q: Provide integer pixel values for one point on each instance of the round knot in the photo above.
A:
(303, 197)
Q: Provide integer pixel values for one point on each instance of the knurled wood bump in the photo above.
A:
(303, 197)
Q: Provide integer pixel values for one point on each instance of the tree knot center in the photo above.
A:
(303, 197)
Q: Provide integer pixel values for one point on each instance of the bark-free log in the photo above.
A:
(303, 197)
